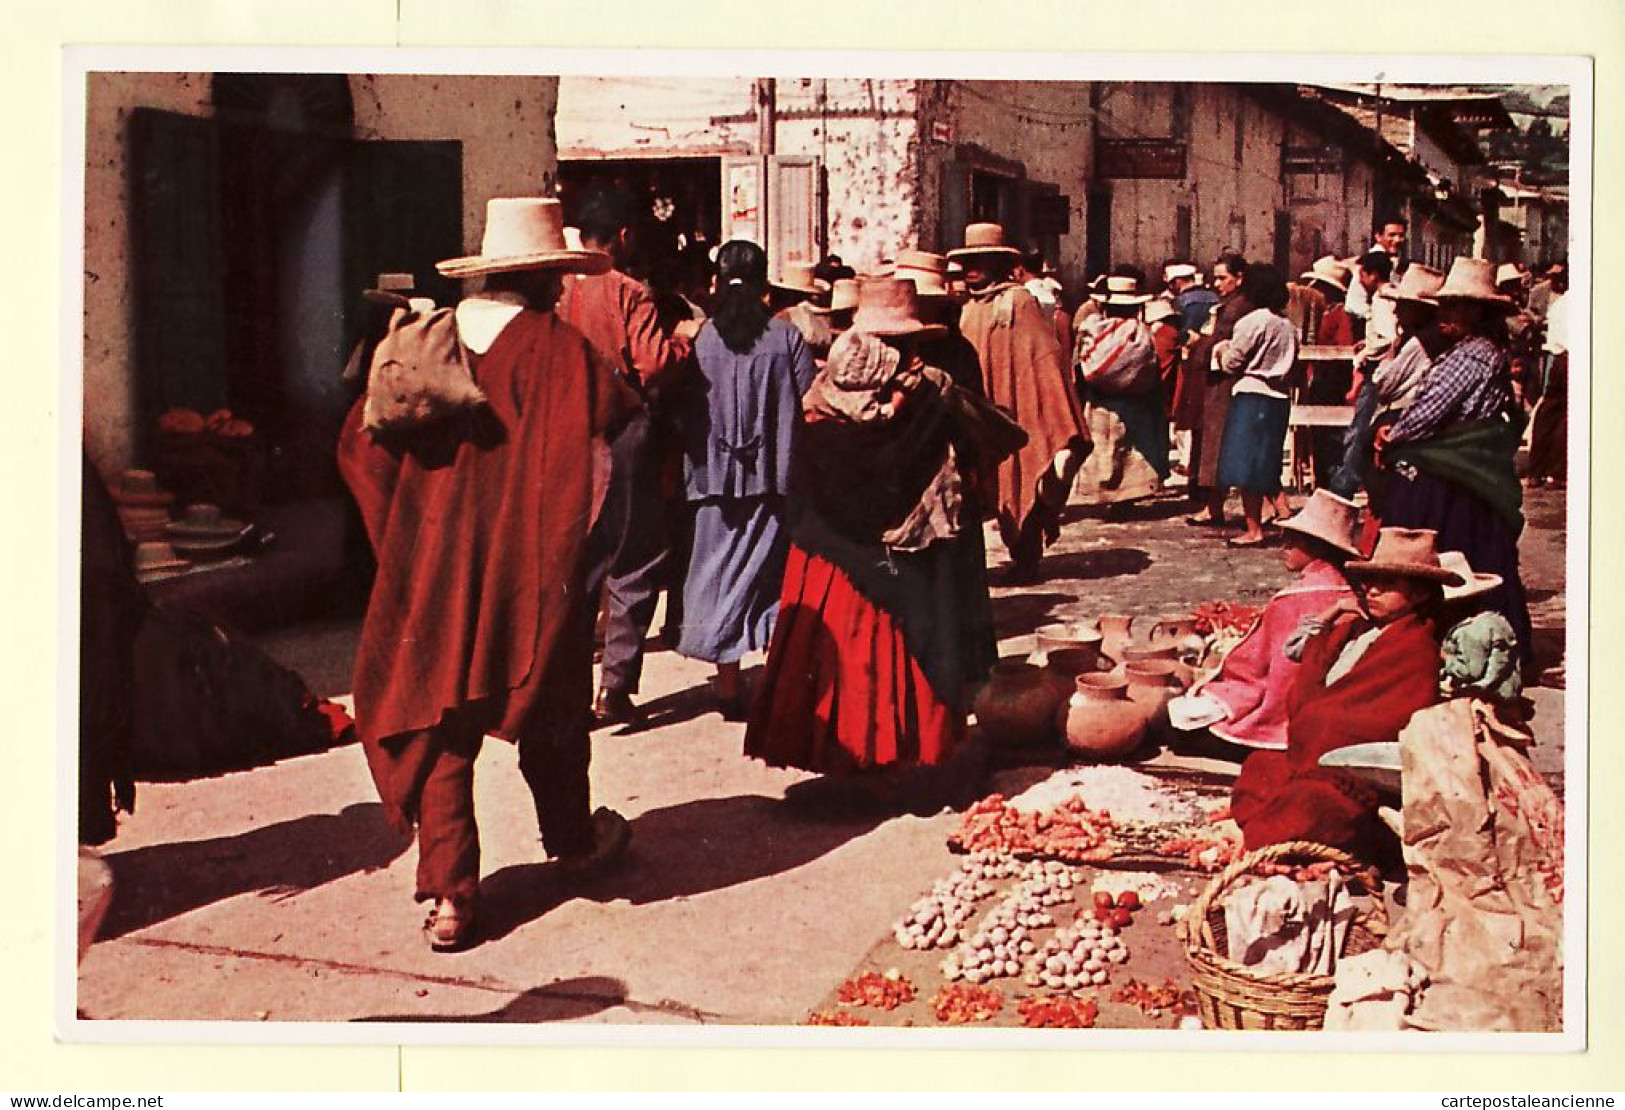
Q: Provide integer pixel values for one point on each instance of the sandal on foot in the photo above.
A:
(450, 925)
(1205, 521)
(1242, 541)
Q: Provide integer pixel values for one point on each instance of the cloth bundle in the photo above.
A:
(420, 373)
(1280, 925)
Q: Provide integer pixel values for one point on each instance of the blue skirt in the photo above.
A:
(735, 574)
(1254, 437)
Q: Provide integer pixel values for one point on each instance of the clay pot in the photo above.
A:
(1017, 706)
(1100, 721)
(1116, 633)
(1064, 667)
(1182, 634)
(1061, 637)
(1154, 682)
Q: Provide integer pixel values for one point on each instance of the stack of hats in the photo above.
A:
(143, 507)
(204, 532)
(157, 559)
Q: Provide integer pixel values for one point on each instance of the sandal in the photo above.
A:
(1205, 521)
(450, 925)
(1242, 541)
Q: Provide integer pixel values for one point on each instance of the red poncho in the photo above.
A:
(478, 525)
(1282, 796)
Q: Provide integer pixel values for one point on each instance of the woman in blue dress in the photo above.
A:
(739, 423)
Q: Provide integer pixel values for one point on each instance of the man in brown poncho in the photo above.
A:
(479, 622)
(1023, 371)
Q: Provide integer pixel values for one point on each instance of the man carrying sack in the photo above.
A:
(478, 513)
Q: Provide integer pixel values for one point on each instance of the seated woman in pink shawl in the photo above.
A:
(1245, 703)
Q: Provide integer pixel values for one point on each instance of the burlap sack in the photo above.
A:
(1483, 842)
(420, 373)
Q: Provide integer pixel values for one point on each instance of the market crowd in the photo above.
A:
(802, 463)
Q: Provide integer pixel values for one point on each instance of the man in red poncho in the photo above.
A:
(478, 621)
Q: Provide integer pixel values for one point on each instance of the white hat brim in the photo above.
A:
(580, 262)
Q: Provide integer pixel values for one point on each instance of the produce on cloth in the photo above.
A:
(834, 1017)
(1071, 832)
(961, 1003)
(937, 920)
(887, 992)
(1077, 956)
(1003, 939)
(1045, 1011)
(1156, 1001)
(1128, 795)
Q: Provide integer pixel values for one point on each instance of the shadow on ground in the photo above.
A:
(677, 851)
(1021, 613)
(167, 880)
(1085, 566)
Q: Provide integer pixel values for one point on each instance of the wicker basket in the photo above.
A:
(1232, 996)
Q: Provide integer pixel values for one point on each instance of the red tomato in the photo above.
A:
(1103, 899)
(1103, 914)
(1121, 917)
(1129, 899)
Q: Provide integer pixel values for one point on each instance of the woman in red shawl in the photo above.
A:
(1362, 677)
(884, 629)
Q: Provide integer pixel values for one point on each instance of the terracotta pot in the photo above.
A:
(1064, 667)
(1061, 637)
(1017, 706)
(1101, 721)
(1182, 634)
(1116, 633)
(1153, 682)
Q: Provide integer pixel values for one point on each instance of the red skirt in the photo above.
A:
(841, 691)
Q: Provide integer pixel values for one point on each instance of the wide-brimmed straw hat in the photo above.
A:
(1121, 289)
(843, 295)
(928, 272)
(1473, 584)
(983, 239)
(1328, 271)
(524, 233)
(1405, 553)
(1472, 279)
(1419, 285)
(205, 522)
(1328, 518)
(1508, 273)
(156, 556)
(797, 277)
(1176, 270)
(890, 307)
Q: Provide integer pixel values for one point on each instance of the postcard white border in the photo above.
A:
(1573, 71)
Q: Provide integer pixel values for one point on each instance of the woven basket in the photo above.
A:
(1232, 996)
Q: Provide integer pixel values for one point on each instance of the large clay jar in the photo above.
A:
(1153, 683)
(1116, 633)
(1062, 637)
(1016, 709)
(1065, 665)
(1101, 722)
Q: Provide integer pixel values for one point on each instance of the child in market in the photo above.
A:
(1372, 666)
(1244, 704)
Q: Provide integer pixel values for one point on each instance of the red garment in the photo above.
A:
(478, 525)
(1282, 796)
(1025, 373)
(1256, 679)
(619, 318)
(1336, 328)
(842, 691)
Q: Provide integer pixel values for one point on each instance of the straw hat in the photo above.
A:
(205, 522)
(1473, 584)
(1121, 289)
(890, 306)
(1328, 518)
(1420, 285)
(391, 289)
(928, 272)
(140, 487)
(1508, 274)
(1472, 279)
(524, 233)
(843, 296)
(1159, 310)
(1328, 271)
(1175, 271)
(797, 277)
(983, 239)
(1405, 553)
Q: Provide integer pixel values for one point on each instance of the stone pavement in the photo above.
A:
(279, 894)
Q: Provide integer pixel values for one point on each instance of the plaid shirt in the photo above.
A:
(1471, 381)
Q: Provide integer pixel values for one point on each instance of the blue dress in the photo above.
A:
(739, 422)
